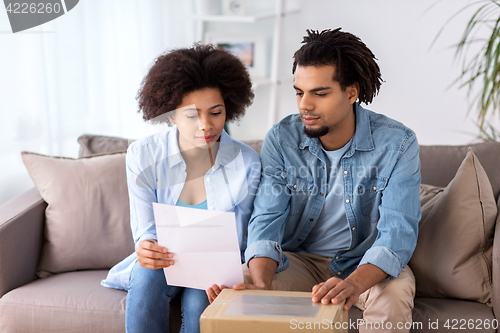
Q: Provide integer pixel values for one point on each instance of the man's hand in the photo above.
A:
(153, 256)
(247, 286)
(336, 290)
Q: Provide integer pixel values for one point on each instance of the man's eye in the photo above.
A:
(298, 93)
(320, 95)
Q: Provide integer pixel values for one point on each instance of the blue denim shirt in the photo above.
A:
(381, 172)
(156, 172)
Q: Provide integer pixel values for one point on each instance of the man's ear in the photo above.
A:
(353, 90)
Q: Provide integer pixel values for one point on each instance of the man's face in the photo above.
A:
(325, 109)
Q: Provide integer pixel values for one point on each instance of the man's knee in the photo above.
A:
(394, 298)
(401, 288)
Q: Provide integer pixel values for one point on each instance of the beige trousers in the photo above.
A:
(386, 306)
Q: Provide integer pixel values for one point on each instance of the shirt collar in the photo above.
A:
(174, 154)
(313, 143)
(226, 156)
(228, 151)
(362, 139)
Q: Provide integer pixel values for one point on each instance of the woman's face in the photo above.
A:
(200, 118)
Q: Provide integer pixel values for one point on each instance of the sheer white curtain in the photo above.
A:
(79, 74)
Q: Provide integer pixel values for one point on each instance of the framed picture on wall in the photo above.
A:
(251, 49)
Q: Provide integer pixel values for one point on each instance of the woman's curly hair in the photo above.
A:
(185, 70)
(353, 61)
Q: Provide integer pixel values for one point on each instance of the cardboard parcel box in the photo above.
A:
(262, 311)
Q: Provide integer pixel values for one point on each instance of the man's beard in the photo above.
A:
(316, 132)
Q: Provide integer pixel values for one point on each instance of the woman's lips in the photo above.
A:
(206, 138)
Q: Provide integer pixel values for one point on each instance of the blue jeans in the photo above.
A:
(148, 303)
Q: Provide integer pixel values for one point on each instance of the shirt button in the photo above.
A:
(345, 172)
(321, 193)
(300, 239)
(347, 201)
(323, 167)
(310, 220)
(211, 207)
(374, 188)
(338, 273)
(294, 186)
(353, 228)
(336, 258)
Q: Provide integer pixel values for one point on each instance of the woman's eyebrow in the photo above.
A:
(216, 106)
(198, 110)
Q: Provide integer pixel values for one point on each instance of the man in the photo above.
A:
(338, 206)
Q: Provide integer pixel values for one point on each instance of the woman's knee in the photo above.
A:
(150, 283)
(194, 302)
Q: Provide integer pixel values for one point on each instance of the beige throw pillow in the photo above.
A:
(87, 217)
(91, 145)
(454, 248)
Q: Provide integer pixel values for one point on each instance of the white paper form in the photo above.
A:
(204, 244)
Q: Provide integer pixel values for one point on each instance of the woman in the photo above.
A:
(194, 164)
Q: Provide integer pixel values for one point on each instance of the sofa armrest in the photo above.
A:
(496, 268)
(21, 237)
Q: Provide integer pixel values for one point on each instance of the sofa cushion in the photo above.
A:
(91, 145)
(431, 315)
(67, 302)
(451, 315)
(440, 163)
(87, 218)
(454, 248)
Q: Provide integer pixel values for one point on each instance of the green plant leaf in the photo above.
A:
(483, 67)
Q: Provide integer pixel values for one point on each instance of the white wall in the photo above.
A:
(417, 77)
(79, 74)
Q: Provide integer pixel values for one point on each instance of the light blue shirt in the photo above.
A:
(331, 232)
(156, 172)
(380, 177)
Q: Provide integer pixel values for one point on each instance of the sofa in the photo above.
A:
(456, 263)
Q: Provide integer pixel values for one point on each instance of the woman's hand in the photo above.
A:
(214, 291)
(153, 256)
